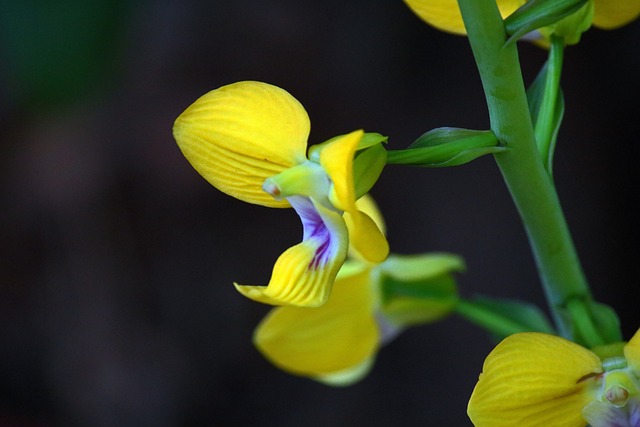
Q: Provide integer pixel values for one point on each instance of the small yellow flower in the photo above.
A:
(249, 139)
(533, 379)
(337, 343)
(445, 14)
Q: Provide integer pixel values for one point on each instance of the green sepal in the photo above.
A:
(367, 167)
(607, 321)
(368, 139)
(537, 98)
(446, 146)
(535, 14)
(419, 289)
(504, 317)
(592, 323)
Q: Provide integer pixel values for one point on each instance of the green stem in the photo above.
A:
(524, 173)
(489, 319)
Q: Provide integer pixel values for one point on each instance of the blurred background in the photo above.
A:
(117, 259)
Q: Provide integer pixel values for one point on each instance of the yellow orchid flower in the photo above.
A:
(534, 379)
(445, 14)
(337, 343)
(248, 139)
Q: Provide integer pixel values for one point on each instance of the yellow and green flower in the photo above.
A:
(534, 379)
(604, 14)
(249, 140)
(370, 304)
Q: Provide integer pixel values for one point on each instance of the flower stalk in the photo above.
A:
(523, 170)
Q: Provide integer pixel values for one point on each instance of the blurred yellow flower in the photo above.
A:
(533, 379)
(337, 343)
(249, 139)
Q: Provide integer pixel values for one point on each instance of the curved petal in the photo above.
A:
(303, 275)
(445, 14)
(337, 160)
(533, 379)
(240, 134)
(632, 353)
(327, 341)
(611, 14)
(368, 206)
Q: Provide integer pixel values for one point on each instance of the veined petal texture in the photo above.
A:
(318, 342)
(303, 275)
(533, 379)
(240, 134)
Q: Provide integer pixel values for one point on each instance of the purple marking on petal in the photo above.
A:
(604, 414)
(314, 229)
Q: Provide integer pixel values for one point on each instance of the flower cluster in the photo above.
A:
(248, 139)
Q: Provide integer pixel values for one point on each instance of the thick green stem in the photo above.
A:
(524, 173)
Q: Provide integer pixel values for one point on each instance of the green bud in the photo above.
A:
(572, 27)
(446, 147)
(536, 14)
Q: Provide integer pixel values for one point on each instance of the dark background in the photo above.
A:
(116, 258)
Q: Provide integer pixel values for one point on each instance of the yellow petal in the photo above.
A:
(534, 379)
(632, 352)
(304, 274)
(445, 14)
(337, 160)
(240, 134)
(610, 14)
(368, 206)
(325, 341)
(347, 376)
(366, 238)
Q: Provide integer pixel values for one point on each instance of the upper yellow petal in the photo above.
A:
(445, 14)
(610, 14)
(533, 379)
(240, 134)
(337, 160)
(304, 274)
(632, 352)
(319, 342)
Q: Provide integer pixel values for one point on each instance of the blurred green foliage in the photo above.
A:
(57, 52)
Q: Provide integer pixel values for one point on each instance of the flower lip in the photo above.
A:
(314, 229)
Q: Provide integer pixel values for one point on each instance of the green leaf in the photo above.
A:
(536, 14)
(369, 139)
(446, 146)
(418, 289)
(503, 317)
